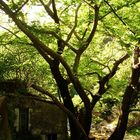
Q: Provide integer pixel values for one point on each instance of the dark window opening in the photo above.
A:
(23, 119)
(1, 119)
(51, 137)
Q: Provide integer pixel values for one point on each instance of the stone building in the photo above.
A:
(27, 118)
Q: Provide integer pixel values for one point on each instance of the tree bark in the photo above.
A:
(85, 116)
(129, 99)
(85, 119)
(63, 87)
(119, 132)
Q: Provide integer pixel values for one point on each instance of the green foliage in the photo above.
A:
(135, 131)
(18, 61)
(112, 40)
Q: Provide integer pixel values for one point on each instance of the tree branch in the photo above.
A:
(21, 6)
(89, 39)
(113, 71)
(59, 38)
(69, 26)
(104, 80)
(19, 42)
(37, 43)
(76, 63)
(101, 64)
(48, 10)
(89, 74)
(56, 19)
(49, 3)
(86, 44)
(75, 24)
(10, 31)
(119, 17)
(85, 30)
(134, 109)
(48, 53)
(53, 33)
(63, 41)
(119, 8)
(89, 4)
(129, 100)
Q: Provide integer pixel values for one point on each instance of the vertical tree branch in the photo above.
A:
(48, 10)
(56, 19)
(87, 42)
(89, 39)
(75, 24)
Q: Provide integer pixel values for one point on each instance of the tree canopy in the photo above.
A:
(78, 52)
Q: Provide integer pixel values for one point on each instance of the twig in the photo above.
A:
(10, 31)
(21, 6)
(118, 8)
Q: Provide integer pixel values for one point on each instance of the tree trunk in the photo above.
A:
(85, 119)
(85, 115)
(63, 87)
(129, 99)
(119, 132)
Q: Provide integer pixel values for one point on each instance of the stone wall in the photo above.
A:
(45, 118)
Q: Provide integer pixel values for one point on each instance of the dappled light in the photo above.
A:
(81, 57)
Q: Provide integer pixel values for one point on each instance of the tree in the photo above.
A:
(64, 38)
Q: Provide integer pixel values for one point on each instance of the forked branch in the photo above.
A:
(104, 80)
